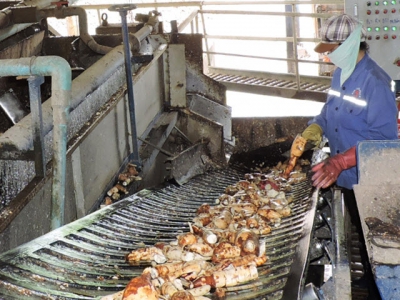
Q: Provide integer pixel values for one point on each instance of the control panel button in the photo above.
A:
(377, 37)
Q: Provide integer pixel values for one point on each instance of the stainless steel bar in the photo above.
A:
(260, 38)
(297, 274)
(295, 43)
(78, 183)
(205, 39)
(270, 58)
(215, 3)
(341, 265)
(183, 135)
(267, 13)
(187, 21)
(267, 75)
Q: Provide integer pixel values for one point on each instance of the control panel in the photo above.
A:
(381, 19)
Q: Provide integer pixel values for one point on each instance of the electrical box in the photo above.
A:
(381, 18)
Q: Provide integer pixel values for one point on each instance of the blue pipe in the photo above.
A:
(129, 84)
(60, 71)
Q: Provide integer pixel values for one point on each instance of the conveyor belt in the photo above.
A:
(86, 259)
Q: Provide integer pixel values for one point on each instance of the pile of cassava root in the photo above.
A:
(222, 249)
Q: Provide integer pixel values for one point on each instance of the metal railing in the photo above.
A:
(195, 22)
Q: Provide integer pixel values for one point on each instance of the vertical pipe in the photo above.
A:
(60, 116)
(60, 71)
(37, 123)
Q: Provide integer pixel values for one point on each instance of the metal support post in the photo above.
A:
(37, 123)
(123, 9)
(341, 264)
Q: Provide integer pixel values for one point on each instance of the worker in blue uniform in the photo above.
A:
(360, 106)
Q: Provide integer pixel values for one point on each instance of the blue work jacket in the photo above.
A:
(364, 108)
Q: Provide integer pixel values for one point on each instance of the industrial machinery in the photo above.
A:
(381, 21)
(77, 111)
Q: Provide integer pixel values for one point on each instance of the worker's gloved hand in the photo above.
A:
(313, 134)
(326, 172)
(298, 146)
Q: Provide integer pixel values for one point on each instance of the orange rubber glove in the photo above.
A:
(327, 172)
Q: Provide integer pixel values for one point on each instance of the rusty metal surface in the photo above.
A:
(382, 202)
(383, 234)
(30, 46)
(213, 111)
(189, 163)
(86, 259)
(255, 133)
(109, 29)
(377, 195)
(196, 80)
(194, 126)
(9, 212)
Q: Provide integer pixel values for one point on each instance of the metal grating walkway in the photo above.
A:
(284, 87)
